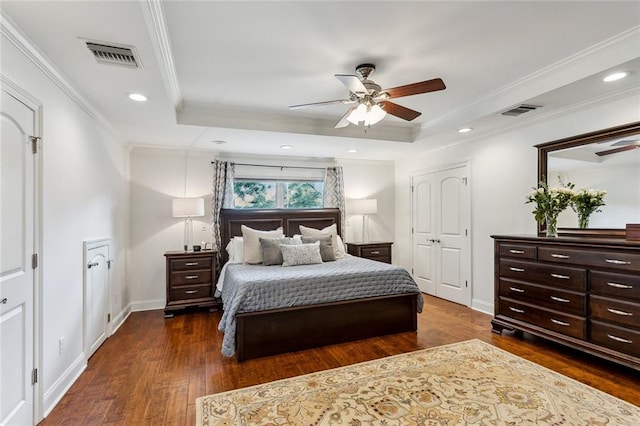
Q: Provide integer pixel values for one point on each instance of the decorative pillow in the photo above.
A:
(301, 254)
(329, 231)
(251, 243)
(271, 253)
(235, 250)
(326, 248)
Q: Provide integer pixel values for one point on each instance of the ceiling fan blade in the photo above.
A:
(399, 111)
(626, 142)
(616, 150)
(343, 121)
(416, 88)
(353, 83)
(338, 101)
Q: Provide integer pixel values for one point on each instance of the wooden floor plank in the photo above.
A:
(152, 369)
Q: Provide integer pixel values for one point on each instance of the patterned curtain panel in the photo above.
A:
(334, 193)
(222, 197)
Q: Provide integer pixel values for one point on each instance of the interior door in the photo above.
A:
(441, 220)
(96, 295)
(17, 122)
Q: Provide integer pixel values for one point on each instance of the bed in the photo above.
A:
(286, 329)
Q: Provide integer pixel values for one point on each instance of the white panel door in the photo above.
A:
(441, 220)
(16, 249)
(423, 268)
(96, 295)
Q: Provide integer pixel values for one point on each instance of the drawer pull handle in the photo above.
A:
(617, 262)
(562, 323)
(516, 251)
(191, 277)
(375, 252)
(616, 285)
(618, 312)
(619, 339)
(516, 289)
(520, 311)
(516, 269)
(191, 263)
(191, 291)
(559, 299)
(560, 256)
(562, 277)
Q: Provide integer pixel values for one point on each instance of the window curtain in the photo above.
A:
(222, 198)
(333, 196)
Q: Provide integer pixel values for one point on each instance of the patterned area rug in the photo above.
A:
(464, 383)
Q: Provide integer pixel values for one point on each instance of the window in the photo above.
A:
(271, 194)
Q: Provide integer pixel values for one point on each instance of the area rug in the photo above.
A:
(467, 383)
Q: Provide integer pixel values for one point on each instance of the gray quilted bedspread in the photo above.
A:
(253, 288)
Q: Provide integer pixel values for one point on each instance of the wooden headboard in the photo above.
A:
(290, 220)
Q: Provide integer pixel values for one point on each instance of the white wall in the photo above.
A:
(158, 175)
(84, 196)
(503, 171)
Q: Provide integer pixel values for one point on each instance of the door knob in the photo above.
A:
(3, 301)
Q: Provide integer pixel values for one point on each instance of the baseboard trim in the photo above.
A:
(119, 319)
(482, 306)
(147, 305)
(55, 393)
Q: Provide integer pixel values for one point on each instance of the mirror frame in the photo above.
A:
(586, 138)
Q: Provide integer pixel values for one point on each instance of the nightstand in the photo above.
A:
(191, 279)
(374, 250)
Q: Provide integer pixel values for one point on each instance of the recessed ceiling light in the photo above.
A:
(352, 150)
(465, 130)
(218, 142)
(138, 97)
(286, 146)
(615, 76)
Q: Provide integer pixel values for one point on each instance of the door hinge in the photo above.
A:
(34, 260)
(108, 317)
(466, 283)
(412, 189)
(34, 144)
(411, 271)
(464, 180)
(109, 264)
(34, 376)
(466, 232)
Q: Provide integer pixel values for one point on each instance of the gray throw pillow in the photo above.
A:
(326, 247)
(271, 253)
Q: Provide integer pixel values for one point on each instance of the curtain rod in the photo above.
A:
(277, 167)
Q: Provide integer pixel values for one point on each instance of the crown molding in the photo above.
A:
(11, 32)
(153, 12)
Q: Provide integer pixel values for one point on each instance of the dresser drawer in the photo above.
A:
(190, 264)
(549, 275)
(594, 259)
(613, 310)
(191, 292)
(616, 285)
(518, 251)
(373, 252)
(546, 297)
(617, 338)
(190, 278)
(562, 323)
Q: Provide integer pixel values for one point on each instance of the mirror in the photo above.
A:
(609, 160)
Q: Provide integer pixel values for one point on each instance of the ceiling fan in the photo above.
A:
(621, 146)
(370, 102)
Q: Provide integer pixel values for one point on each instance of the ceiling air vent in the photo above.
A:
(112, 54)
(520, 109)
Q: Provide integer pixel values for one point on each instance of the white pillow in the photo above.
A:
(235, 250)
(251, 243)
(301, 254)
(332, 231)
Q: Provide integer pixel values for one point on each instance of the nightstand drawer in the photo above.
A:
(191, 292)
(190, 278)
(190, 264)
(372, 252)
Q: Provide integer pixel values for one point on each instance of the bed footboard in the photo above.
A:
(291, 329)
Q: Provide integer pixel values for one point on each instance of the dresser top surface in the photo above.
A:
(586, 241)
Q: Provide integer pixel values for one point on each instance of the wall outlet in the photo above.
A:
(60, 345)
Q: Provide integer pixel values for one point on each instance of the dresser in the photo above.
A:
(581, 292)
(191, 279)
(374, 250)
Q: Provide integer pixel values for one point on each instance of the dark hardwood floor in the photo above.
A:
(151, 371)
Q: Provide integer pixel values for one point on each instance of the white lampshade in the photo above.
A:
(364, 206)
(370, 114)
(187, 207)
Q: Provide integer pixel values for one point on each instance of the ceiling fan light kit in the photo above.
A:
(372, 101)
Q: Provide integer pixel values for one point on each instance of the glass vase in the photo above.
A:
(583, 220)
(551, 220)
